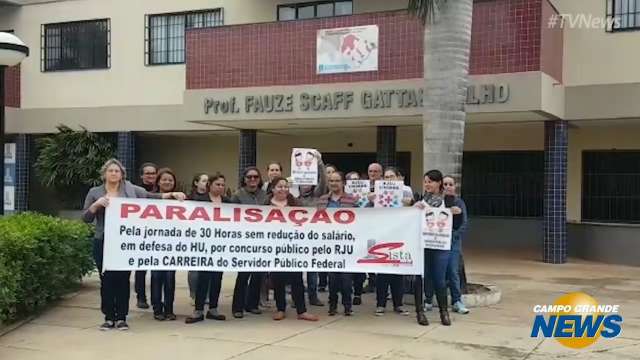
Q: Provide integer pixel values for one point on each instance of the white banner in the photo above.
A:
(143, 234)
(345, 50)
(360, 189)
(388, 193)
(437, 227)
(304, 166)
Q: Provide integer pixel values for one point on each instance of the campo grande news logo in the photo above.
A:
(576, 320)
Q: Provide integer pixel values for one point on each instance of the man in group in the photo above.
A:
(148, 175)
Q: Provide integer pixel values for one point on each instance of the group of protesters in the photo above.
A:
(252, 289)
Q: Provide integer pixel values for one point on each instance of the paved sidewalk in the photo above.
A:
(69, 329)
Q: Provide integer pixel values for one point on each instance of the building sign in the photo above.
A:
(342, 101)
(487, 94)
(346, 50)
(9, 177)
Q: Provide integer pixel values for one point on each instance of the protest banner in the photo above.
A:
(144, 234)
(437, 226)
(388, 193)
(304, 166)
(360, 190)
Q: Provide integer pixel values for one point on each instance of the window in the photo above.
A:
(623, 15)
(503, 183)
(165, 34)
(76, 45)
(611, 186)
(311, 10)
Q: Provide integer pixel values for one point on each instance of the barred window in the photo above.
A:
(623, 15)
(76, 45)
(611, 186)
(503, 183)
(317, 9)
(165, 34)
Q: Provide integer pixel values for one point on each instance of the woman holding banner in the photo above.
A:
(210, 282)
(436, 261)
(163, 282)
(386, 281)
(114, 285)
(199, 192)
(246, 293)
(280, 197)
(338, 282)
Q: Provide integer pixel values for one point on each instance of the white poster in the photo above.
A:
(437, 226)
(388, 193)
(9, 180)
(144, 234)
(345, 50)
(304, 166)
(360, 190)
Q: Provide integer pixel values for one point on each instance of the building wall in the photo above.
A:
(594, 56)
(128, 81)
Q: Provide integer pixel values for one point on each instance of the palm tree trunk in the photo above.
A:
(446, 67)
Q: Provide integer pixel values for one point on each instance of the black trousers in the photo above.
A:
(358, 283)
(340, 283)
(383, 282)
(163, 282)
(209, 283)
(114, 288)
(140, 285)
(322, 279)
(280, 281)
(246, 293)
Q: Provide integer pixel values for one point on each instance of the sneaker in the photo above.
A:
(333, 311)
(122, 325)
(160, 317)
(213, 314)
(278, 315)
(238, 314)
(170, 316)
(107, 325)
(348, 311)
(460, 308)
(428, 306)
(316, 302)
(308, 317)
(142, 304)
(255, 311)
(379, 311)
(196, 317)
(401, 311)
(357, 300)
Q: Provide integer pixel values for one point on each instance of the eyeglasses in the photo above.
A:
(252, 177)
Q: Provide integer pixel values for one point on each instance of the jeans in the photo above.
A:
(453, 276)
(140, 285)
(383, 282)
(246, 293)
(312, 285)
(340, 282)
(358, 283)
(209, 283)
(280, 281)
(114, 288)
(435, 271)
(322, 279)
(192, 280)
(163, 283)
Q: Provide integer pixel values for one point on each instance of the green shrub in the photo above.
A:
(41, 258)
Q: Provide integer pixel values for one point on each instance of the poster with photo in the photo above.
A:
(304, 166)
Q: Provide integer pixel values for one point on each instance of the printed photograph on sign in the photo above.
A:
(437, 226)
(9, 198)
(10, 153)
(304, 166)
(346, 50)
(388, 193)
(360, 190)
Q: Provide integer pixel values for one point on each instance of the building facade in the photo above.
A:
(552, 141)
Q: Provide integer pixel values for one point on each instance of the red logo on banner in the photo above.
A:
(384, 254)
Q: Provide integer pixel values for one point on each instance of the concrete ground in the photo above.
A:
(69, 329)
